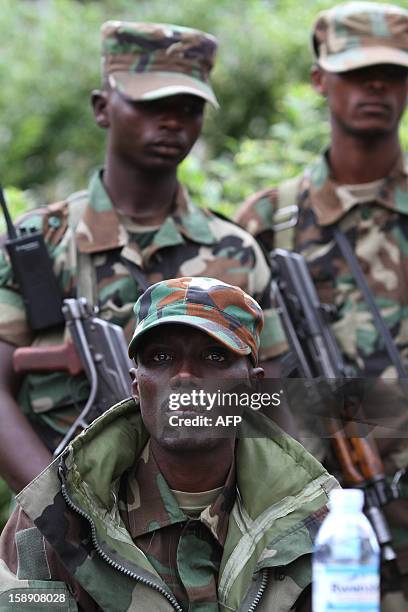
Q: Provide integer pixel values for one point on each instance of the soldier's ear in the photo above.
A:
(318, 79)
(99, 101)
(135, 386)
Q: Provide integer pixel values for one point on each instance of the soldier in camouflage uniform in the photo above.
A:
(360, 185)
(135, 517)
(134, 226)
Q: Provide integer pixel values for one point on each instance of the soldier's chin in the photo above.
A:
(183, 440)
(371, 129)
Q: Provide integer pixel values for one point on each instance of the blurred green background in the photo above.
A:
(270, 123)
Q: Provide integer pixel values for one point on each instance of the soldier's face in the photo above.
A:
(176, 359)
(368, 100)
(153, 134)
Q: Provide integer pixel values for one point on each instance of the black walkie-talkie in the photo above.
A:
(32, 268)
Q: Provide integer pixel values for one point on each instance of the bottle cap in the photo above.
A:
(347, 499)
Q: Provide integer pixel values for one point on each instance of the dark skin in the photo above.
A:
(18, 469)
(146, 142)
(366, 106)
(175, 358)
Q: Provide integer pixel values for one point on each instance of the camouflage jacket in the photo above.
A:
(86, 229)
(376, 225)
(68, 529)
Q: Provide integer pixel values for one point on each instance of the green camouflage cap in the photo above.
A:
(147, 61)
(358, 34)
(223, 311)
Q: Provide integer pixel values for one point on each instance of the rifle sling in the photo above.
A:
(86, 283)
(136, 273)
(355, 268)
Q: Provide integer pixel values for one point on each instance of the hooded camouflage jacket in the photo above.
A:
(91, 246)
(71, 509)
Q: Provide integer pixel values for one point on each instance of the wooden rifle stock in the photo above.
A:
(358, 457)
(62, 357)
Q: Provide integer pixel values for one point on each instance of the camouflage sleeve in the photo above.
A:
(30, 572)
(256, 215)
(14, 327)
(273, 339)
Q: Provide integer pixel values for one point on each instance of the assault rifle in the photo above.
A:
(98, 348)
(314, 354)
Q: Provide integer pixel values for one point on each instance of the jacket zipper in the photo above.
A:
(110, 561)
(123, 570)
(261, 590)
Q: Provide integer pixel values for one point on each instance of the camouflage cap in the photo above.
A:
(222, 311)
(147, 61)
(358, 34)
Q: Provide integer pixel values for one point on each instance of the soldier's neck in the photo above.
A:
(147, 197)
(355, 160)
(194, 471)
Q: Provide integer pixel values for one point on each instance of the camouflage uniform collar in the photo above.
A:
(159, 508)
(329, 208)
(101, 228)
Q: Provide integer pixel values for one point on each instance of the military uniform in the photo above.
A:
(101, 242)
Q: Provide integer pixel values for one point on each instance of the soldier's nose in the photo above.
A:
(185, 376)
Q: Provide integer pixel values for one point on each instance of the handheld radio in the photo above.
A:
(32, 267)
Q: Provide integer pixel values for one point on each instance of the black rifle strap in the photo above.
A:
(355, 268)
(136, 273)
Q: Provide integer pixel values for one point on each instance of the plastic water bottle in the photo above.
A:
(346, 558)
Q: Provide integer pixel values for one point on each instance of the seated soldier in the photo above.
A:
(138, 515)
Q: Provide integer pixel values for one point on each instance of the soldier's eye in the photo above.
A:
(161, 356)
(193, 108)
(215, 355)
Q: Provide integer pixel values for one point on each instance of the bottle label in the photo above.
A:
(349, 588)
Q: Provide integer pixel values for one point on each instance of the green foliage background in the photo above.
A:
(270, 123)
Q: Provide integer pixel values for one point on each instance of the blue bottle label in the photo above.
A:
(350, 588)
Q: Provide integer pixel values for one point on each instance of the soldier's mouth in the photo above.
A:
(374, 107)
(187, 411)
(167, 146)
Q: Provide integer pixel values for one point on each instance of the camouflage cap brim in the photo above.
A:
(223, 335)
(362, 57)
(155, 85)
